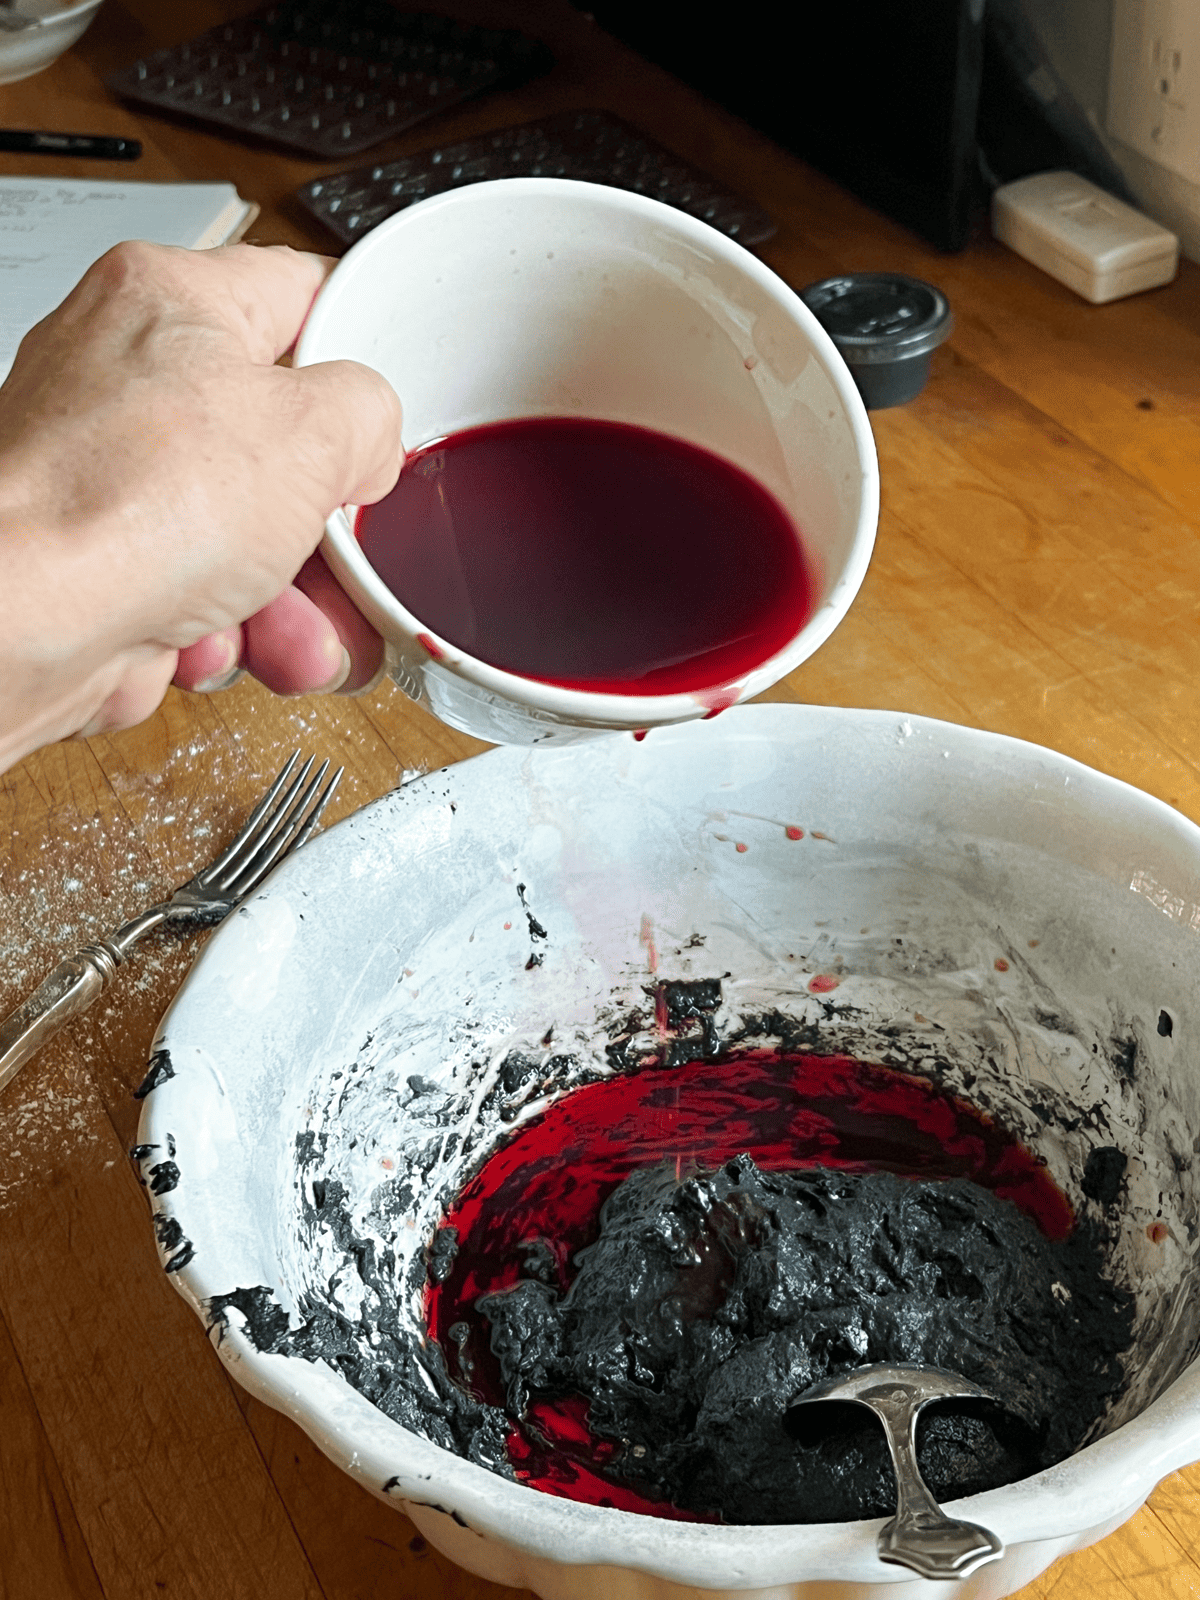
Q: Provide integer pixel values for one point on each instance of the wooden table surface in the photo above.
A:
(1037, 573)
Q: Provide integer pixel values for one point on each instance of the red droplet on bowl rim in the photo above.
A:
(718, 700)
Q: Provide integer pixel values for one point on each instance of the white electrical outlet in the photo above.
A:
(1154, 82)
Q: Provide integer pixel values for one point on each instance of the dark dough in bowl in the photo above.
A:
(708, 1303)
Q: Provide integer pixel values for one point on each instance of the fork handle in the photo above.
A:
(61, 995)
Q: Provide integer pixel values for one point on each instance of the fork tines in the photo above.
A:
(280, 822)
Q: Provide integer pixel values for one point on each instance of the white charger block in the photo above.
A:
(1079, 234)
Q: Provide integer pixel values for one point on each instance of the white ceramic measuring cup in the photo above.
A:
(548, 297)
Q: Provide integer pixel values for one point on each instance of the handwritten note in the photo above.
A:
(52, 230)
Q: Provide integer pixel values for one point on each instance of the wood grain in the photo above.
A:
(1037, 572)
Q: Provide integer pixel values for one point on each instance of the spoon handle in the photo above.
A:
(921, 1536)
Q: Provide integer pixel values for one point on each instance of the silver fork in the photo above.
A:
(280, 823)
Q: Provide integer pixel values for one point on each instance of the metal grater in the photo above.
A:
(328, 77)
(590, 145)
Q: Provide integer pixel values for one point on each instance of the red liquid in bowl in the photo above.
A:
(593, 555)
(548, 1180)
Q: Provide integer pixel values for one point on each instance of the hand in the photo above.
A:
(163, 485)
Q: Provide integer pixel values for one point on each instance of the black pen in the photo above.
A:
(101, 147)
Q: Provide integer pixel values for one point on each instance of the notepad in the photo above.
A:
(51, 230)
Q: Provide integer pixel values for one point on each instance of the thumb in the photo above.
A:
(353, 417)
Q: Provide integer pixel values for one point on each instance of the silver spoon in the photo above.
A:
(920, 1536)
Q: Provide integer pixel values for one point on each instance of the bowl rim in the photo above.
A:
(556, 700)
(1091, 1491)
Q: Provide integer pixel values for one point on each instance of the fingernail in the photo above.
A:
(340, 676)
(219, 680)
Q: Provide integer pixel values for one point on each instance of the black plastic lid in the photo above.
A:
(876, 317)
